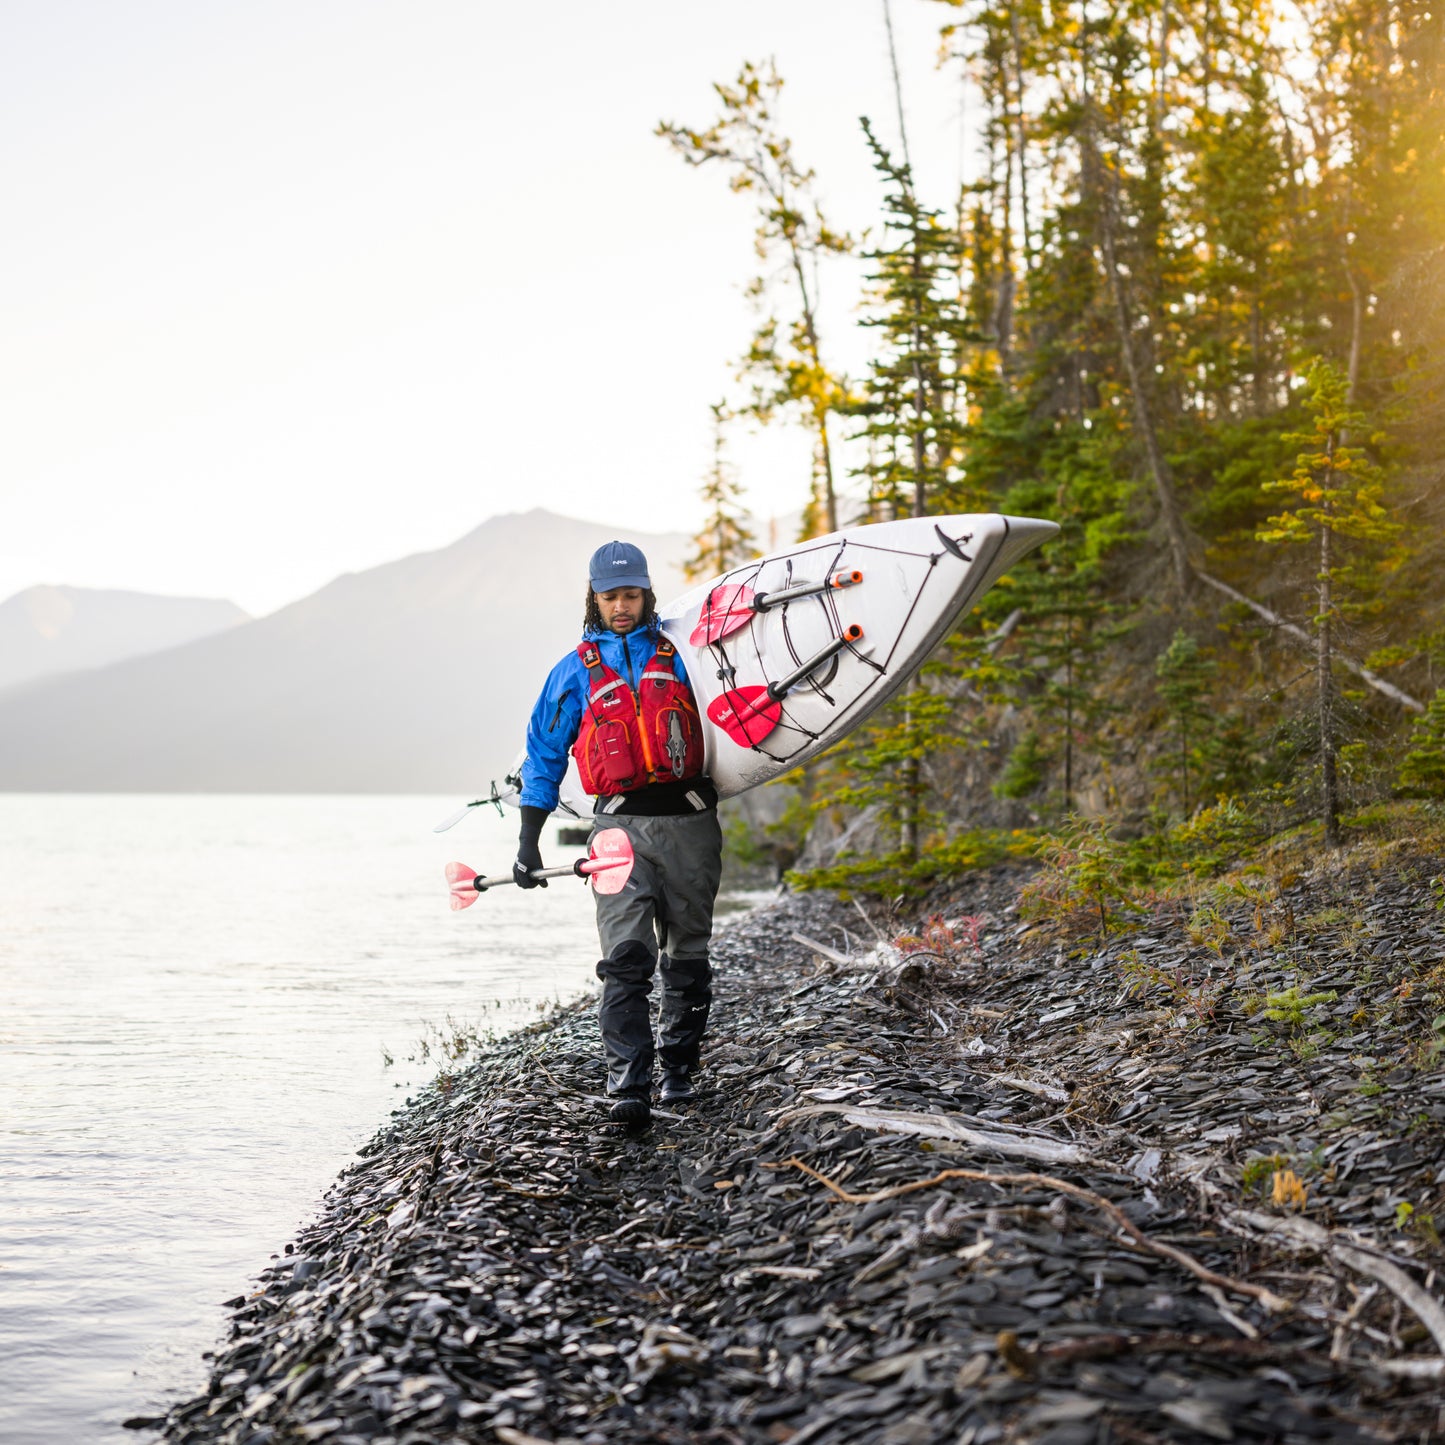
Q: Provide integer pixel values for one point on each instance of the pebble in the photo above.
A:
(502, 1264)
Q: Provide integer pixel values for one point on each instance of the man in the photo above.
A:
(622, 706)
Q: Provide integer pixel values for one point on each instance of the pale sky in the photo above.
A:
(292, 289)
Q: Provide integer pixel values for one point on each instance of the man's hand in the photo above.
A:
(529, 853)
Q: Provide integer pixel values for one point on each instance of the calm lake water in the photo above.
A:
(198, 996)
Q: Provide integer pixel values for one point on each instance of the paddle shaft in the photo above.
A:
(764, 600)
(580, 869)
(785, 685)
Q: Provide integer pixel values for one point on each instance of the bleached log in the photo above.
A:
(941, 1126)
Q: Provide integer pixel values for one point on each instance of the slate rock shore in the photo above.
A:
(1204, 1223)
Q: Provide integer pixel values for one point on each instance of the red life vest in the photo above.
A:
(628, 740)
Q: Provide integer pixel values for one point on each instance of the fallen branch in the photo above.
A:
(1299, 1234)
(1298, 634)
(942, 1126)
(821, 949)
(1266, 1297)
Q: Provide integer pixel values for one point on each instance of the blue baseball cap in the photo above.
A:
(618, 564)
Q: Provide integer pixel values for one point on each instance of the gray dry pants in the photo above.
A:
(666, 907)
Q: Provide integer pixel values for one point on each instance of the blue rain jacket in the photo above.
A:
(557, 717)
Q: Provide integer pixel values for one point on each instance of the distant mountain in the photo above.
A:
(416, 676)
(47, 630)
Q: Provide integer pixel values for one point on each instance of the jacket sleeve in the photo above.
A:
(551, 731)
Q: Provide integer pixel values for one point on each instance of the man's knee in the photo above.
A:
(691, 977)
(629, 963)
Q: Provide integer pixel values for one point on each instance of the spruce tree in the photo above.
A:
(1422, 772)
(724, 540)
(913, 397)
(1337, 509)
(1185, 680)
(911, 413)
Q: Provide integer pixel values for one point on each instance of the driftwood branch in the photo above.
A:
(821, 949)
(942, 1126)
(1298, 634)
(1266, 1297)
(1305, 1234)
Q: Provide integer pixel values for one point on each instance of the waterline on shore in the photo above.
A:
(198, 997)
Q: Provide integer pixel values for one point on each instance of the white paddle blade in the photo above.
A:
(459, 880)
(611, 861)
(454, 819)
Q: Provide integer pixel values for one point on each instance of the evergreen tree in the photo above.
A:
(1066, 610)
(911, 401)
(1185, 680)
(1024, 772)
(1422, 772)
(911, 412)
(1337, 501)
(724, 540)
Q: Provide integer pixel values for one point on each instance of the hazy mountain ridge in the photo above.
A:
(48, 630)
(414, 676)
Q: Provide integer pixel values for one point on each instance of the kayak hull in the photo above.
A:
(921, 575)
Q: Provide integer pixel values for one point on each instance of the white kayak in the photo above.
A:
(789, 653)
(901, 585)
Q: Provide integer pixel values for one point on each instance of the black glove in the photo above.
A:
(529, 855)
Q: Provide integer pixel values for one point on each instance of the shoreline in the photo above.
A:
(501, 1265)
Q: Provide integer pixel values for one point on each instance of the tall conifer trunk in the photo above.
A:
(1019, 147)
(912, 789)
(1329, 777)
(1139, 395)
(1098, 184)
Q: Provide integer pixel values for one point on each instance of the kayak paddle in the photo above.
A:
(608, 864)
(733, 606)
(748, 714)
(494, 797)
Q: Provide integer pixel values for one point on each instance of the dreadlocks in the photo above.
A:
(592, 618)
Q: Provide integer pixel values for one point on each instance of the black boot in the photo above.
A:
(630, 1106)
(677, 1085)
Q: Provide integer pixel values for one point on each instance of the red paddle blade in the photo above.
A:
(459, 877)
(611, 862)
(727, 609)
(746, 714)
